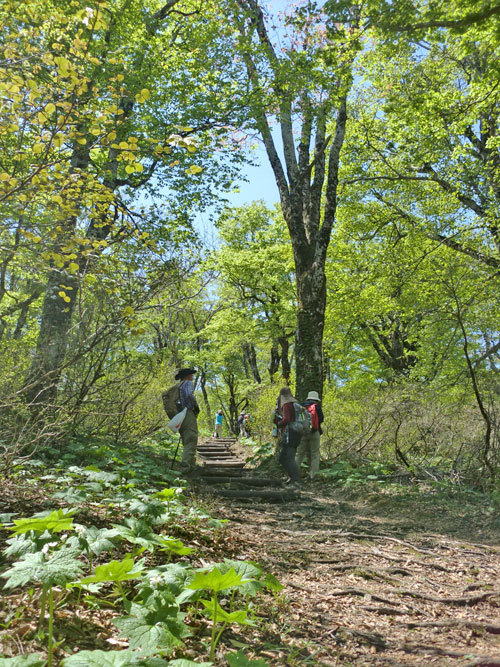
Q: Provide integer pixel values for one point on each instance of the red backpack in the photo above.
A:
(314, 416)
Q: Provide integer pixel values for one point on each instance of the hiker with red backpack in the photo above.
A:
(310, 442)
(289, 416)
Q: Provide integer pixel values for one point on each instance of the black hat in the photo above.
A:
(184, 372)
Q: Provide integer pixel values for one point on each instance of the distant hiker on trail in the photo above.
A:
(309, 445)
(246, 425)
(189, 428)
(241, 425)
(219, 417)
(290, 437)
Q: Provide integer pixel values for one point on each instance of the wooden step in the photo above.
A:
(227, 461)
(225, 440)
(261, 494)
(221, 456)
(236, 473)
(223, 464)
(214, 450)
(242, 480)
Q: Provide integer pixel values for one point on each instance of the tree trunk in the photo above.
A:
(250, 358)
(306, 176)
(274, 362)
(55, 322)
(233, 407)
(285, 360)
(203, 387)
(311, 293)
(390, 340)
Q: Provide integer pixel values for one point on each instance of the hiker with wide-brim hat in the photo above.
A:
(289, 439)
(189, 428)
(309, 447)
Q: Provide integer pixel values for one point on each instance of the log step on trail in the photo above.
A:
(223, 474)
(243, 480)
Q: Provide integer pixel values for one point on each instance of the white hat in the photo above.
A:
(313, 396)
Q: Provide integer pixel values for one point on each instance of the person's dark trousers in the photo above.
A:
(289, 443)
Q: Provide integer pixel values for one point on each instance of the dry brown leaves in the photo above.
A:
(369, 586)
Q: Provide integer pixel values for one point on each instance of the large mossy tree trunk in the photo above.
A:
(311, 298)
(55, 322)
(57, 311)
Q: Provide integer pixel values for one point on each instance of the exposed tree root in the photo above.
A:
(406, 561)
(472, 625)
(367, 572)
(367, 622)
(437, 650)
(466, 600)
(372, 638)
(388, 611)
(368, 536)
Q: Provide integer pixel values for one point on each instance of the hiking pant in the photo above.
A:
(189, 437)
(218, 430)
(289, 443)
(309, 447)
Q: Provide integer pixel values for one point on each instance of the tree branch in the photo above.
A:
(471, 19)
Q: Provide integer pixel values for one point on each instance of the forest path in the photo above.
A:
(376, 577)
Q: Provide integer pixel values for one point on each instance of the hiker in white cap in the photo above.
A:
(310, 442)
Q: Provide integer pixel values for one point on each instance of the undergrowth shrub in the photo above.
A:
(409, 426)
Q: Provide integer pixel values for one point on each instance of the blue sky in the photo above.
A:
(259, 184)
(260, 181)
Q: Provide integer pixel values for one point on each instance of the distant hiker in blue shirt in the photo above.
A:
(219, 418)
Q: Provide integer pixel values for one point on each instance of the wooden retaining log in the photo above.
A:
(217, 463)
(213, 450)
(245, 481)
(216, 440)
(260, 494)
(227, 472)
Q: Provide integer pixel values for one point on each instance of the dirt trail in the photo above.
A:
(377, 578)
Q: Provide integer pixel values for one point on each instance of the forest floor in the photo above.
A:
(377, 575)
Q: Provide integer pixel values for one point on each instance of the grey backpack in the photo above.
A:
(302, 423)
